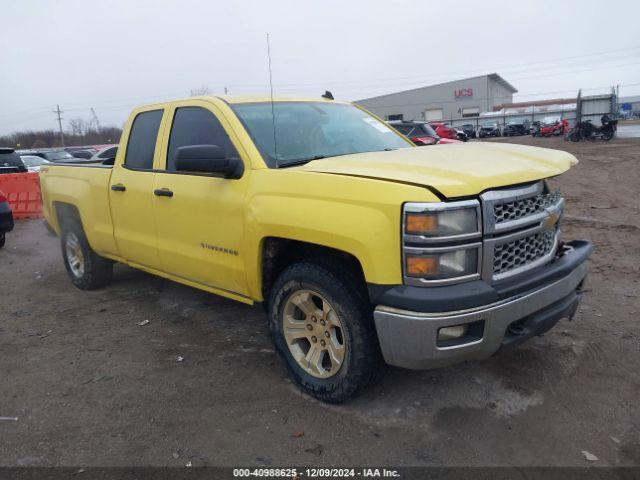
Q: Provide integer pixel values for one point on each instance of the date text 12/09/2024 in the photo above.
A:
(296, 473)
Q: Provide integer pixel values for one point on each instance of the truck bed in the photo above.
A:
(85, 187)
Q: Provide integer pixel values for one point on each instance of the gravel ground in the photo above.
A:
(200, 382)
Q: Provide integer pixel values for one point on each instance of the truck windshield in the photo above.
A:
(306, 131)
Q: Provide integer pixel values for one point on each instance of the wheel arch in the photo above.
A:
(278, 253)
(66, 213)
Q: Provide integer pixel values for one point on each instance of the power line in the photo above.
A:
(381, 81)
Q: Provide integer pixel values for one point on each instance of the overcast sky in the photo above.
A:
(113, 55)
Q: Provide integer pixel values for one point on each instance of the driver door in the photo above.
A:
(201, 224)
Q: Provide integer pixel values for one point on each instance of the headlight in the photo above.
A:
(442, 221)
(441, 242)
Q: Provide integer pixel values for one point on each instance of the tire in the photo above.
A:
(575, 136)
(86, 269)
(324, 286)
(607, 136)
(3, 239)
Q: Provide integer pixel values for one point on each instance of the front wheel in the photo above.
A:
(86, 269)
(323, 330)
(607, 136)
(3, 239)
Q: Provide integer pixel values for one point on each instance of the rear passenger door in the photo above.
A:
(200, 225)
(131, 192)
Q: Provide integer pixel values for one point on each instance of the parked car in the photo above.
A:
(10, 161)
(34, 162)
(53, 155)
(107, 153)
(6, 218)
(489, 130)
(469, 129)
(310, 228)
(419, 133)
(461, 135)
(81, 152)
(516, 127)
(85, 154)
(444, 131)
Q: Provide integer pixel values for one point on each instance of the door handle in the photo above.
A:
(163, 192)
(118, 187)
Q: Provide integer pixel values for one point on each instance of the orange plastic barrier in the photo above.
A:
(23, 192)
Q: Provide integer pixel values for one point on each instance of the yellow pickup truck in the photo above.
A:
(362, 247)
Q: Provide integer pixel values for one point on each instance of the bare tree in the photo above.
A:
(77, 126)
(196, 92)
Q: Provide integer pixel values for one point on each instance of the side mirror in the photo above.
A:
(208, 159)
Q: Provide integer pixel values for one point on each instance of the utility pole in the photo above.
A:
(58, 112)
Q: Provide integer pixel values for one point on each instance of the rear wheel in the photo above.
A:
(2, 239)
(607, 136)
(323, 330)
(86, 269)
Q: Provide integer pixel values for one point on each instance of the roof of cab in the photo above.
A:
(266, 98)
(234, 100)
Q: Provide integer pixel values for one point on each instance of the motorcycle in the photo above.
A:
(589, 131)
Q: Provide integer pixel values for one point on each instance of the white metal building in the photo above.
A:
(445, 101)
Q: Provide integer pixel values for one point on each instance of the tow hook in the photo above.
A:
(516, 329)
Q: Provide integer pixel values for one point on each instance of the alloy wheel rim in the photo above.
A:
(314, 333)
(75, 257)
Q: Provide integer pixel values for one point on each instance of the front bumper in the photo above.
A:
(409, 338)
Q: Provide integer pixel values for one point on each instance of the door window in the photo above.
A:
(196, 126)
(142, 140)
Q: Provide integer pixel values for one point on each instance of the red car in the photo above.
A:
(420, 133)
(444, 131)
(557, 128)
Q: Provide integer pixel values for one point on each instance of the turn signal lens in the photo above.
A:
(438, 266)
(420, 266)
(421, 223)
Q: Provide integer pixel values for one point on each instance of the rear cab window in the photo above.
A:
(142, 140)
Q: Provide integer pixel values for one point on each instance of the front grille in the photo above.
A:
(523, 251)
(524, 207)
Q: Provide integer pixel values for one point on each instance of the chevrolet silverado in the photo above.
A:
(363, 248)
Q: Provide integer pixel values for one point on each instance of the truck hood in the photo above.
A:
(459, 170)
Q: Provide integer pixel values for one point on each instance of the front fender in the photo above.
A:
(359, 216)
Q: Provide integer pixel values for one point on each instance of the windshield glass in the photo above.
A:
(428, 130)
(312, 130)
(61, 155)
(33, 161)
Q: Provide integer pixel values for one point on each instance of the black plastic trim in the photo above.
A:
(539, 322)
(6, 217)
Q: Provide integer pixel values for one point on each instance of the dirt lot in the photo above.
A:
(91, 387)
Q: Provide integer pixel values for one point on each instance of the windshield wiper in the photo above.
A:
(300, 161)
